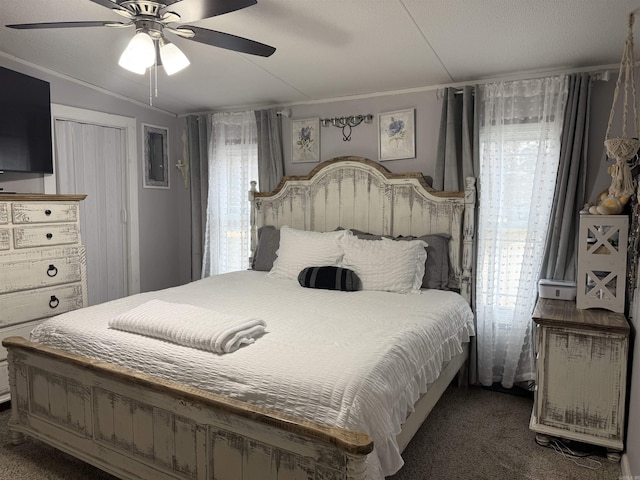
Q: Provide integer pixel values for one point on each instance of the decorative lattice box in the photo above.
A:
(602, 262)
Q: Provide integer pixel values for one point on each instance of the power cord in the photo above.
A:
(568, 454)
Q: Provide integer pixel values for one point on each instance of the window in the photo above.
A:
(233, 165)
(520, 126)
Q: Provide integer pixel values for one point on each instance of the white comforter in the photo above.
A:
(356, 360)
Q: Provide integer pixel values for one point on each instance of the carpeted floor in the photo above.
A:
(472, 434)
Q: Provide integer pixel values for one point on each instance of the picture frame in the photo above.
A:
(305, 141)
(397, 135)
(155, 156)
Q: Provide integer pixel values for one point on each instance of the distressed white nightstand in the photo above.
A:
(581, 375)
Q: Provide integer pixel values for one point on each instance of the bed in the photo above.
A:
(272, 409)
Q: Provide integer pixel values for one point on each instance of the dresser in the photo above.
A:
(42, 264)
(581, 375)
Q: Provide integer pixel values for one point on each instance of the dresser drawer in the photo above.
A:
(43, 212)
(45, 235)
(5, 238)
(41, 272)
(4, 213)
(21, 307)
(16, 331)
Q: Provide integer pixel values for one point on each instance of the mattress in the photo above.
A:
(356, 360)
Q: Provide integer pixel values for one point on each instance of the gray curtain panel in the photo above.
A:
(458, 154)
(559, 261)
(198, 150)
(458, 157)
(270, 156)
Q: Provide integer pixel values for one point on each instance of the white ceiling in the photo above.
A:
(329, 48)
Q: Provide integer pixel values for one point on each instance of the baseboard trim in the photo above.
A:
(625, 467)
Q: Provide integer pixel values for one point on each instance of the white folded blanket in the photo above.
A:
(190, 326)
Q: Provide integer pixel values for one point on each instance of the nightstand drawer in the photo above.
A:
(42, 212)
(21, 307)
(581, 375)
(46, 235)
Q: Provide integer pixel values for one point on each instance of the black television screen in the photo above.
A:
(25, 123)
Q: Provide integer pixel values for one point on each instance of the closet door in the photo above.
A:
(91, 159)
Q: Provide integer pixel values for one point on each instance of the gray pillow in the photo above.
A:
(436, 268)
(268, 243)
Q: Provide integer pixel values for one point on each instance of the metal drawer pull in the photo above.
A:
(52, 271)
(49, 236)
(54, 302)
(47, 212)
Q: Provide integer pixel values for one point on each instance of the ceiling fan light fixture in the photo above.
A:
(126, 63)
(139, 54)
(173, 60)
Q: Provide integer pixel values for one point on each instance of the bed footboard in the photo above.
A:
(135, 426)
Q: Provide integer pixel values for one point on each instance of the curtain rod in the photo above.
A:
(603, 76)
(522, 76)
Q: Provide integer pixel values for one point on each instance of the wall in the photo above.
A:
(428, 105)
(632, 457)
(161, 252)
(364, 137)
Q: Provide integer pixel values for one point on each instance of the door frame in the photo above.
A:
(128, 125)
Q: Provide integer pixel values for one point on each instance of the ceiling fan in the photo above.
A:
(152, 18)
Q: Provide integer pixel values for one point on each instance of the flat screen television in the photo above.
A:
(25, 124)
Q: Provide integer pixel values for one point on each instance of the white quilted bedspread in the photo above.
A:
(356, 360)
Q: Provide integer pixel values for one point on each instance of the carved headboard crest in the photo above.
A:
(358, 193)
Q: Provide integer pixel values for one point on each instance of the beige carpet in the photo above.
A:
(472, 434)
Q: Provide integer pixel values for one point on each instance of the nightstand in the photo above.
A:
(581, 375)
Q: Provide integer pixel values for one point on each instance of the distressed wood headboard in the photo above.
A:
(355, 192)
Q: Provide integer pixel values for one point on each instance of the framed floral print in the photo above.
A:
(397, 135)
(306, 141)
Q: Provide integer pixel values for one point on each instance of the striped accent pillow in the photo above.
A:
(329, 278)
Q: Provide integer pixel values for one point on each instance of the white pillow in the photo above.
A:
(386, 265)
(301, 248)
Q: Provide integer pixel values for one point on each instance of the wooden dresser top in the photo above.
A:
(563, 313)
(39, 197)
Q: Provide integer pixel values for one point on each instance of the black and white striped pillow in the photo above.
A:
(329, 278)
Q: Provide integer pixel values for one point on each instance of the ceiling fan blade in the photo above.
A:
(112, 5)
(105, 3)
(193, 10)
(230, 42)
(32, 26)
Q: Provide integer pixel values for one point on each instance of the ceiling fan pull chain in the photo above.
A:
(156, 76)
(150, 90)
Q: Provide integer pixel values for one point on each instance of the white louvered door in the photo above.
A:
(91, 159)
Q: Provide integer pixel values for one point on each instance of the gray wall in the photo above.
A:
(364, 139)
(161, 250)
(633, 419)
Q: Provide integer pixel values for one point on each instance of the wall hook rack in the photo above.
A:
(346, 123)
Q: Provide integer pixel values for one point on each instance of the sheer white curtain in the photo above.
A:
(520, 132)
(233, 164)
